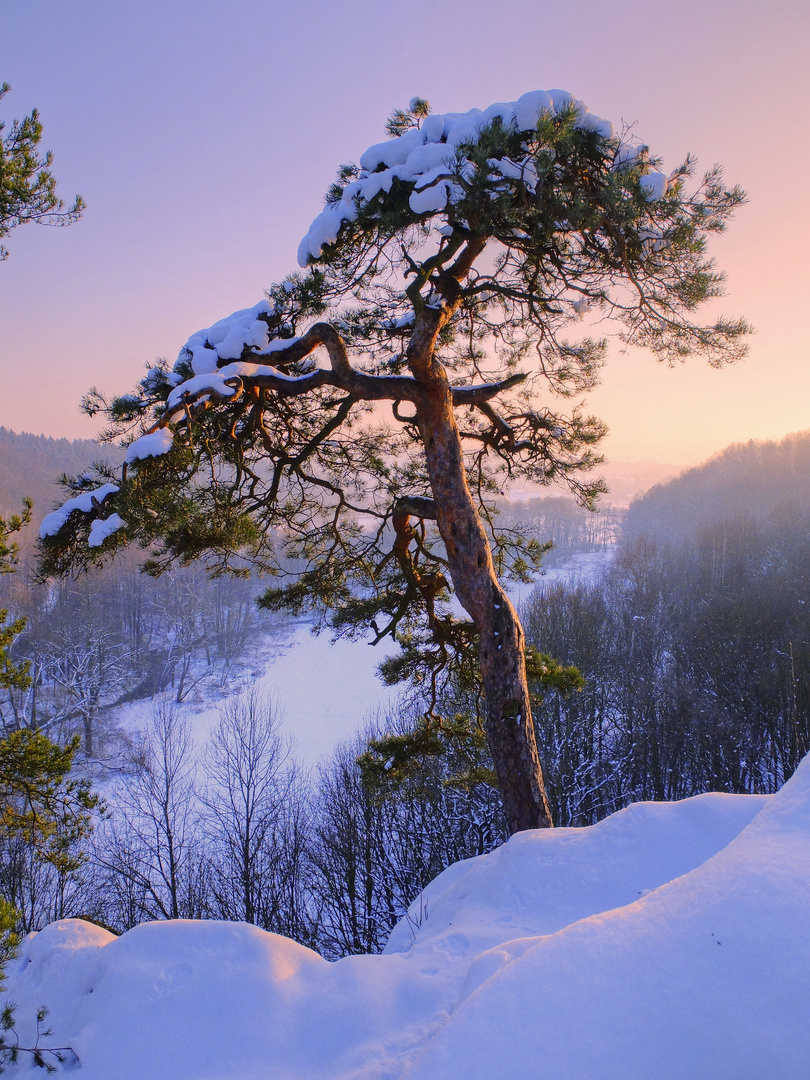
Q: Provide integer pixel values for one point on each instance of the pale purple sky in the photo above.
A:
(202, 136)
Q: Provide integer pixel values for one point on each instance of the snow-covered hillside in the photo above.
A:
(669, 941)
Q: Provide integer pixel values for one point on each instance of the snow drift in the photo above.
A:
(670, 940)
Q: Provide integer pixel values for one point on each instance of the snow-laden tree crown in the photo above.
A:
(429, 177)
(432, 159)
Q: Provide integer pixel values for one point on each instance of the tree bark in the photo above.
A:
(509, 725)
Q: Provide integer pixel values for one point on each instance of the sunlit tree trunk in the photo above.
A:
(509, 725)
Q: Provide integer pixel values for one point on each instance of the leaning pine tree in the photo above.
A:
(350, 430)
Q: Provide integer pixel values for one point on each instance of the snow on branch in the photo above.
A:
(230, 337)
(85, 502)
(152, 445)
(101, 528)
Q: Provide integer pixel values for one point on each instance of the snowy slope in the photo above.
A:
(670, 940)
(707, 976)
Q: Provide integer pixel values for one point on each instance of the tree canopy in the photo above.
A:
(446, 281)
(27, 185)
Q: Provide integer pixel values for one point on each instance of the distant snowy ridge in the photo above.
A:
(669, 941)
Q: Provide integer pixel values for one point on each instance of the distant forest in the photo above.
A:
(114, 635)
(757, 480)
(694, 645)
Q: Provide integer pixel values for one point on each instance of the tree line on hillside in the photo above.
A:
(30, 466)
(694, 646)
(563, 523)
(759, 478)
(696, 666)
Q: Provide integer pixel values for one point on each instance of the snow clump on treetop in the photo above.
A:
(228, 339)
(429, 156)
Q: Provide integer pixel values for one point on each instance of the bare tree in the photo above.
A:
(87, 664)
(376, 845)
(255, 829)
(182, 609)
(151, 845)
(41, 892)
(347, 844)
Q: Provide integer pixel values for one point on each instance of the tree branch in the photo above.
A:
(477, 395)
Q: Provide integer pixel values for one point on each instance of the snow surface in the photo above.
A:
(84, 502)
(228, 339)
(654, 186)
(668, 941)
(319, 712)
(324, 691)
(152, 445)
(101, 528)
(431, 157)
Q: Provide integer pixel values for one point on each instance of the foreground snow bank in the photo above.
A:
(707, 976)
(670, 940)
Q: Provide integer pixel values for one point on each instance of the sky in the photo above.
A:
(203, 135)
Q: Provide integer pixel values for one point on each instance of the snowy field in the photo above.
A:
(325, 691)
(670, 941)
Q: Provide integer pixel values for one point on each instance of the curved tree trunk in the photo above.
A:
(509, 726)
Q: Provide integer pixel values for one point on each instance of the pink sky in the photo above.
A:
(202, 136)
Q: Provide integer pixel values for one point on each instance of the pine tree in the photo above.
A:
(445, 281)
(39, 800)
(27, 185)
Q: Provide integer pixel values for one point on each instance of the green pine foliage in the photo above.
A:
(41, 804)
(403, 760)
(9, 936)
(39, 799)
(47, 1058)
(11, 674)
(27, 185)
(454, 741)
